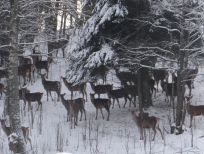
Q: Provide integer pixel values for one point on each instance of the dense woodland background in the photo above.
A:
(147, 51)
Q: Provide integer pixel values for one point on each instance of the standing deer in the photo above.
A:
(100, 103)
(7, 130)
(126, 77)
(119, 93)
(143, 121)
(193, 110)
(76, 105)
(79, 87)
(101, 89)
(50, 86)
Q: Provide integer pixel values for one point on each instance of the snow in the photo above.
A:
(117, 136)
(79, 53)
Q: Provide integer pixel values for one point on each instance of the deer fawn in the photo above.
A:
(193, 110)
(7, 130)
(133, 91)
(143, 120)
(76, 105)
(50, 86)
(79, 87)
(100, 103)
(101, 89)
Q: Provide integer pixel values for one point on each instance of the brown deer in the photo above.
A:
(7, 130)
(33, 97)
(76, 105)
(66, 105)
(50, 86)
(78, 87)
(118, 93)
(143, 121)
(193, 110)
(100, 103)
(101, 89)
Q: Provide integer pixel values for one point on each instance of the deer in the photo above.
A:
(151, 83)
(33, 97)
(78, 87)
(66, 105)
(7, 130)
(22, 92)
(143, 121)
(190, 75)
(42, 65)
(76, 105)
(100, 103)
(100, 73)
(193, 110)
(132, 90)
(115, 94)
(26, 71)
(2, 89)
(126, 77)
(25, 60)
(50, 86)
(101, 89)
(159, 74)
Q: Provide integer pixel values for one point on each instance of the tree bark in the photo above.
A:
(12, 98)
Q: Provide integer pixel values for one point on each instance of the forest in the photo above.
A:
(101, 76)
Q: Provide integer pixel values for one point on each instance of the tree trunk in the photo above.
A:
(12, 99)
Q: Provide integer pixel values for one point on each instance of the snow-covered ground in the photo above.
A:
(51, 133)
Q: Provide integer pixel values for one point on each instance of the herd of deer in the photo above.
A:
(128, 91)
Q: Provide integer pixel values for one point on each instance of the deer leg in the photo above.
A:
(84, 113)
(118, 102)
(113, 102)
(191, 119)
(47, 95)
(71, 95)
(86, 95)
(51, 95)
(101, 113)
(154, 129)
(81, 114)
(160, 132)
(96, 113)
(141, 133)
(108, 113)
